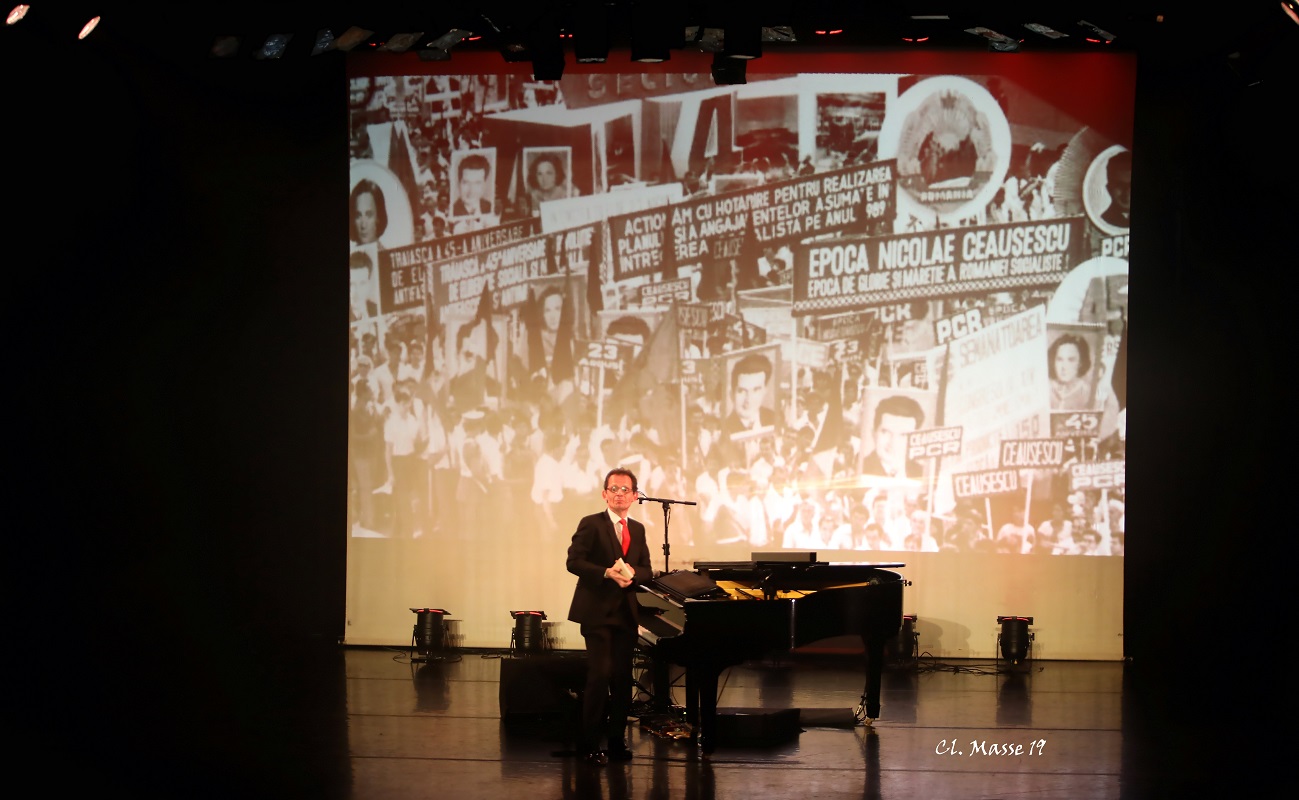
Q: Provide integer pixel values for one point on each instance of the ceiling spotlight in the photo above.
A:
(401, 42)
(547, 57)
(17, 14)
(351, 38)
(440, 48)
(780, 33)
(88, 28)
(652, 34)
(742, 41)
(829, 32)
(225, 46)
(274, 46)
(545, 40)
(1045, 30)
(729, 71)
(1099, 33)
(324, 42)
(1290, 7)
(999, 42)
(709, 40)
(515, 51)
(591, 38)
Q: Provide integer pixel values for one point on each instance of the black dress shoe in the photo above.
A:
(596, 758)
(619, 753)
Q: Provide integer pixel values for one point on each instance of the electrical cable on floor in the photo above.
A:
(666, 724)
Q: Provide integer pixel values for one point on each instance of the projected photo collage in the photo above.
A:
(841, 313)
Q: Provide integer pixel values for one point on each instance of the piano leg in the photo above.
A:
(874, 673)
(662, 700)
(692, 699)
(701, 705)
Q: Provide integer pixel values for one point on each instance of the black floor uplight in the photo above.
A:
(1015, 640)
(429, 636)
(529, 636)
(904, 647)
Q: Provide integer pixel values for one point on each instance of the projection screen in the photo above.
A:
(871, 307)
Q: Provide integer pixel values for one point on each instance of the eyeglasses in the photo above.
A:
(619, 489)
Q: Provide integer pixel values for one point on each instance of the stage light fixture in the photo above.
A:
(708, 40)
(648, 49)
(440, 48)
(591, 36)
(919, 28)
(88, 28)
(998, 42)
(225, 46)
(779, 33)
(742, 41)
(429, 636)
(1045, 30)
(1291, 9)
(274, 46)
(1097, 34)
(905, 646)
(546, 44)
(324, 42)
(514, 51)
(401, 42)
(16, 14)
(1015, 640)
(729, 71)
(529, 636)
(352, 37)
(651, 37)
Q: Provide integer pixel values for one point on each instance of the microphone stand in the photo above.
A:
(667, 514)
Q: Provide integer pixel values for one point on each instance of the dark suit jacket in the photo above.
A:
(597, 600)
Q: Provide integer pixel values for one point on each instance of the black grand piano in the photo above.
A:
(725, 613)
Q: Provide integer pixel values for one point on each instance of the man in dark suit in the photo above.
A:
(362, 278)
(895, 418)
(1118, 182)
(471, 183)
(748, 417)
(610, 557)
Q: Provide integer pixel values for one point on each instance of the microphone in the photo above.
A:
(640, 496)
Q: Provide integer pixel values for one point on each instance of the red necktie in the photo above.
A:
(626, 537)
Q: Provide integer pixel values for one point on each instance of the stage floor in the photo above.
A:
(313, 719)
(947, 730)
